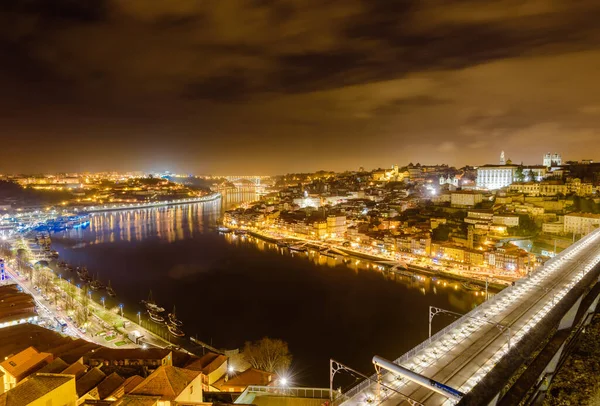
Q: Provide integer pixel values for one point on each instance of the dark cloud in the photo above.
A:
(412, 75)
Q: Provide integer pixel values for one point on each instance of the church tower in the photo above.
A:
(502, 158)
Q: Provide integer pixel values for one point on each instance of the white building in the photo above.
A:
(552, 160)
(495, 176)
(581, 223)
(508, 220)
(450, 180)
(465, 199)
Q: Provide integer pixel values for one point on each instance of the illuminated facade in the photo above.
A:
(552, 160)
(495, 176)
(581, 223)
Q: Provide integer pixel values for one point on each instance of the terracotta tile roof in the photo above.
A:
(14, 304)
(131, 383)
(110, 384)
(130, 400)
(24, 363)
(33, 388)
(76, 368)
(89, 381)
(55, 367)
(207, 363)
(251, 376)
(115, 354)
(167, 382)
(17, 338)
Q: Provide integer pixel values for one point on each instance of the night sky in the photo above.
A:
(267, 86)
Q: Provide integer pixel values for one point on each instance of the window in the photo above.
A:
(192, 390)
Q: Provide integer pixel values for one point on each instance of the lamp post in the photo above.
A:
(139, 314)
(121, 307)
(102, 300)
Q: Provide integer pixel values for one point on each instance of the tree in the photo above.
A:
(441, 233)
(267, 354)
(519, 175)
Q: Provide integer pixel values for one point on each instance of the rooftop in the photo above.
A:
(110, 384)
(207, 363)
(25, 362)
(251, 376)
(89, 381)
(32, 389)
(55, 367)
(167, 382)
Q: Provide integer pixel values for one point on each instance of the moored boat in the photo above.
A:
(471, 286)
(155, 317)
(110, 290)
(96, 285)
(173, 320)
(175, 331)
(151, 305)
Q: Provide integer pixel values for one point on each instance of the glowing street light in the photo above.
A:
(121, 307)
(102, 300)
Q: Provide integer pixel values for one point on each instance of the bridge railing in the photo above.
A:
(478, 312)
(310, 393)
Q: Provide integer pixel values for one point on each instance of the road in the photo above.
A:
(464, 352)
(50, 312)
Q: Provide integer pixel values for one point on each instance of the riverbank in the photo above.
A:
(114, 207)
(496, 286)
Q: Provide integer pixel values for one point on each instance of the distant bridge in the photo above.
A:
(479, 358)
(255, 179)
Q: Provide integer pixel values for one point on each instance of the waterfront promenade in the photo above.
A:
(150, 205)
(417, 264)
(101, 323)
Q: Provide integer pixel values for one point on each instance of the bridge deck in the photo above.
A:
(464, 352)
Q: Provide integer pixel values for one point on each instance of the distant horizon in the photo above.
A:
(189, 173)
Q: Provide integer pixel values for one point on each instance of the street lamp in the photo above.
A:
(121, 307)
(139, 314)
(102, 300)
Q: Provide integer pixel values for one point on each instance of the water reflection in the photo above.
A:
(460, 298)
(168, 223)
(231, 288)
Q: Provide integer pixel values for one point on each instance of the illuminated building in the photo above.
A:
(552, 160)
(495, 176)
(465, 199)
(581, 223)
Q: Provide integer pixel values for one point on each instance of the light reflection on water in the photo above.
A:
(231, 288)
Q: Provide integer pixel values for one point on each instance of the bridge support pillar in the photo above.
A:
(569, 318)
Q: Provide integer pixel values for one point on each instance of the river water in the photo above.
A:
(228, 289)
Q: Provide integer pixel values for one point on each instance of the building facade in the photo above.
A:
(581, 223)
(495, 176)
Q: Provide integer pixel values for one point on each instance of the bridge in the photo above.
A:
(256, 179)
(479, 359)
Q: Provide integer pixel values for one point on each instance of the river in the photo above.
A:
(228, 289)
